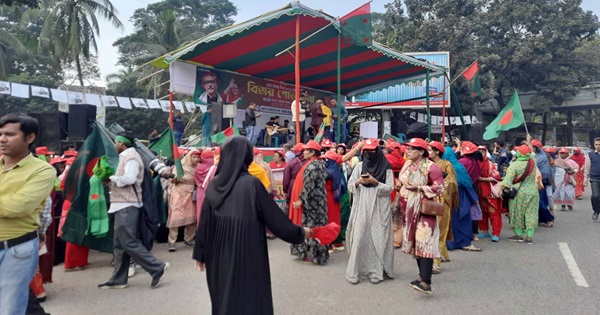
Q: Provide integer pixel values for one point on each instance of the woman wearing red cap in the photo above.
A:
(182, 208)
(449, 198)
(521, 175)
(308, 204)
(471, 159)
(491, 205)
(420, 179)
(579, 158)
(204, 173)
(564, 180)
(396, 160)
(369, 237)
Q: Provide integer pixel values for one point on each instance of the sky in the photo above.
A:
(247, 9)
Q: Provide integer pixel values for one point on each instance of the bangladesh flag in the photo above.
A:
(166, 147)
(222, 136)
(357, 26)
(472, 75)
(510, 117)
(77, 189)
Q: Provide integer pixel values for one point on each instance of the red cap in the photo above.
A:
(564, 150)
(330, 155)
(468, 147)
(69, 153)
(482, 147)
(298, 147)
(418, 143)
(327, 144)
(536, 143)
(43, 151)
(524, 149)
(370, 144)
(57, 160)
(391, 144)
(70, 161)
(549, 150)
(438, 145)
(207, 154)
(312, 144)
(578, 149)
(341, 145)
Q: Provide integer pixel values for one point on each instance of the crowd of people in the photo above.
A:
(424, 198)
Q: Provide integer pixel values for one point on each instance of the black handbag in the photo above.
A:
(509, 193)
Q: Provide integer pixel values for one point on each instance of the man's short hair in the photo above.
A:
(28, 124)
(129, 136)
(286, 121)
(276, 117)
(500, 143)
(595, 139)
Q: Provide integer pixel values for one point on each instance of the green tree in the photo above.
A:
(71, 26)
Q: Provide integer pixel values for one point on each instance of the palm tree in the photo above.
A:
(71, 26)
(124, 83)
(8, 40)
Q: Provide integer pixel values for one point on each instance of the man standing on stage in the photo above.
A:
(25, 183)
(301, 111)
(125, 204)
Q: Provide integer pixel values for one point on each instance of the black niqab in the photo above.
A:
(375, 164)
(236, 156)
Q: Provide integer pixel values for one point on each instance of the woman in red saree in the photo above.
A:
(491, 206)
(579, 158)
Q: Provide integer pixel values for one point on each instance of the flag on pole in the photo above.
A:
(357, 26)
(222, 136)
(510, 117)
(77, 190)
(320, 133)
(472, 75)
(176, 156)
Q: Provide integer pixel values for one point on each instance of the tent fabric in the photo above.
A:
(250, 48)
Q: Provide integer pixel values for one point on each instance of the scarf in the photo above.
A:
(579, 159)
(396, 161)
(375, 164)
(202, 170)
(462, 177)
(523, 157)
(336, 178)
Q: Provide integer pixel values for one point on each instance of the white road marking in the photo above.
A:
(572, 265)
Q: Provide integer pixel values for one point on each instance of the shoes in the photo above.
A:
(374, 280)
(172, 247)
(414, 282)
(495, 238)
(156, 279)
(595, 216)
(563, 208)
(108, 285)
(41, 298)
(475, 238)
(353, 281)
(516, 239)
(131, 271)
(188, 244)
(421, 288)
(483, 235)
(339, 247)
(570, 208)
(529, 241)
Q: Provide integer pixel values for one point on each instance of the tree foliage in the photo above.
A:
(541, 45)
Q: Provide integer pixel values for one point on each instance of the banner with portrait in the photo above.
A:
(226, 87)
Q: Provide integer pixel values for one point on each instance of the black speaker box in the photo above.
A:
(81, 119)
(53, 129)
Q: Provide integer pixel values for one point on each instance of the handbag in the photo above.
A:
(430, 207)
(511, 193)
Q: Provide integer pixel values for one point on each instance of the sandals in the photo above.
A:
(446, 260)
(550, 224)
(436, 270)
(471, 248)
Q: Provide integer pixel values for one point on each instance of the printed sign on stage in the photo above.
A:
(214, 85)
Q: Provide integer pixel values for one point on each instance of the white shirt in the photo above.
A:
(302, 112)
(129, 177)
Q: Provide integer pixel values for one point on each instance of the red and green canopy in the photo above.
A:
(250, 48)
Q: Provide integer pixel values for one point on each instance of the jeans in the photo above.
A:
(595, 183)
(17, 267)
(334, 133)
(178, 137)
(250, 133)
(206, 139)
(127, 245)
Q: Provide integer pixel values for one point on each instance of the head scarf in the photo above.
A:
(578, 158)
(375, 163)
(208, 160)
(462, 177)
(186, 163)
(236, 156)
(336, 178)
(523, 157)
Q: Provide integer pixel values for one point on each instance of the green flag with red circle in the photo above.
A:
(509, 118)
(472, 75)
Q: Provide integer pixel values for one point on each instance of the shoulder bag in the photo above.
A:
(509, 192)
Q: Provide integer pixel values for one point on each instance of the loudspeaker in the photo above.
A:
(53, 129)
(81, 119)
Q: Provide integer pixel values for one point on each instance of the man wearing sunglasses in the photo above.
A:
(210, 83)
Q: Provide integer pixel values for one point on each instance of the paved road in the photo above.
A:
(506, 278)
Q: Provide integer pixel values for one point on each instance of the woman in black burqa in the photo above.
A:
(231, 242)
